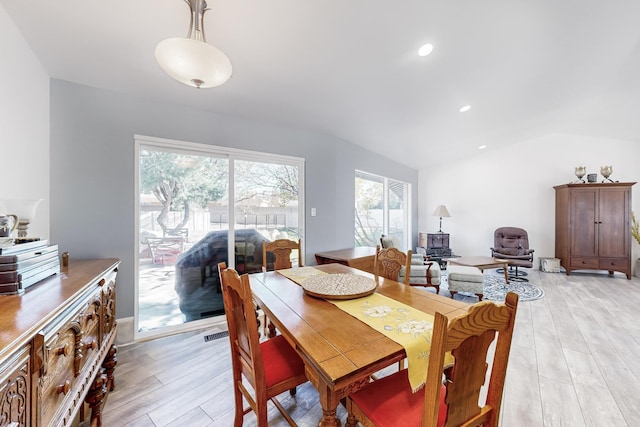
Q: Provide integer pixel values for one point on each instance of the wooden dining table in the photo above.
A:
(340, 352)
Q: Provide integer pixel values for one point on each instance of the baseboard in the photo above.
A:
(125, 331)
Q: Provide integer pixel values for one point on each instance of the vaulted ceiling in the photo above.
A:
(350, 68)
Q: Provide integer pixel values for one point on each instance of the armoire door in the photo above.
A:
(613, 222)
(584, 209)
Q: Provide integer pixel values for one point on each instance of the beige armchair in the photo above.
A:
(422, 272)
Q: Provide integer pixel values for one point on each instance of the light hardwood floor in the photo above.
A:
(575, 361)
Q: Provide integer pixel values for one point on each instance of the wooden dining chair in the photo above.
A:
(390, 402)
(281, 249)
(388, 263)
(271, 367)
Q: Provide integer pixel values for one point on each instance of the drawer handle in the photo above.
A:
(64, 350)
(91, 345)
(64, 388)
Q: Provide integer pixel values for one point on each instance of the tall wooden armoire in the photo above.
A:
(593, 226)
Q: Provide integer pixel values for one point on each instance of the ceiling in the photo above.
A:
(350, 68)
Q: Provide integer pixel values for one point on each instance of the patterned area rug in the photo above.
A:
(495, 289)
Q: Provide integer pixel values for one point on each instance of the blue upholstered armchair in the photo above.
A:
(423, 272)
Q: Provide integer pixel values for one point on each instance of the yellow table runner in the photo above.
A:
(301, 273)
(404, 324)
(409, 327)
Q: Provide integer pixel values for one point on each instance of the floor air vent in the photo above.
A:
(215, 336)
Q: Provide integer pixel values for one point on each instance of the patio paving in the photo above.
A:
(157, 299)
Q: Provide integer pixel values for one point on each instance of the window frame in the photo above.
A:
(385, 201)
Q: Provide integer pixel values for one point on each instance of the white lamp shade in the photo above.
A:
(23, 209)
(190, 61)
(442, 212)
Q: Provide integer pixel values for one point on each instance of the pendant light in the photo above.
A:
(192, 60)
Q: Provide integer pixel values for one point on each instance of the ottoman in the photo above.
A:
(463, 278)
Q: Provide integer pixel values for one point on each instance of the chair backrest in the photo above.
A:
(388, 263)
(281, 248)
(176, 232)
(468, 337)
(246, 356)
(165, 250)
(511, 240)
(387, 242)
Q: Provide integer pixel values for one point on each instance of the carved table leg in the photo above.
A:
(329, 403)
(95, 397)
(109, 365)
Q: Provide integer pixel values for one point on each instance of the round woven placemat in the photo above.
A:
(339, 286)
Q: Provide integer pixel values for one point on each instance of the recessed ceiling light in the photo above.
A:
(425, 49)
(465, 108)
(482, 147)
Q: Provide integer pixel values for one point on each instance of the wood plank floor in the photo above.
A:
(575, 361)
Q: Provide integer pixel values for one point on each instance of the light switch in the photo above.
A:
(313, 211)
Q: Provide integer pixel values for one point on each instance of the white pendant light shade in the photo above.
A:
(193, 62)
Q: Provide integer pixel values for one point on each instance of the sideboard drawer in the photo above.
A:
(61, 350)
(90, 338)
(613, 263)
(591, 263)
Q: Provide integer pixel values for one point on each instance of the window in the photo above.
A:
(199, 205)
(382, 207)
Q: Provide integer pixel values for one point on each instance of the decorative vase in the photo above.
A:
(606, 172)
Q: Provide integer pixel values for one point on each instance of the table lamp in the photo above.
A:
(442, 212)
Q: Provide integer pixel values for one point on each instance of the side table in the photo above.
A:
(361, 258)
(438, 255)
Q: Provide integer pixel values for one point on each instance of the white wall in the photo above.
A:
(24, 124)
(513, 186)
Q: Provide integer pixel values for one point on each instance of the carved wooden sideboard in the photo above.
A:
(57, 352)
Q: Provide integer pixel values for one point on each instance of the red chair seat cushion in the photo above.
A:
(390, 402)
(281, 362)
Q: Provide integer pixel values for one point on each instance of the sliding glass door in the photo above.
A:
(187, 225)
(381, 207)
(266, 204)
